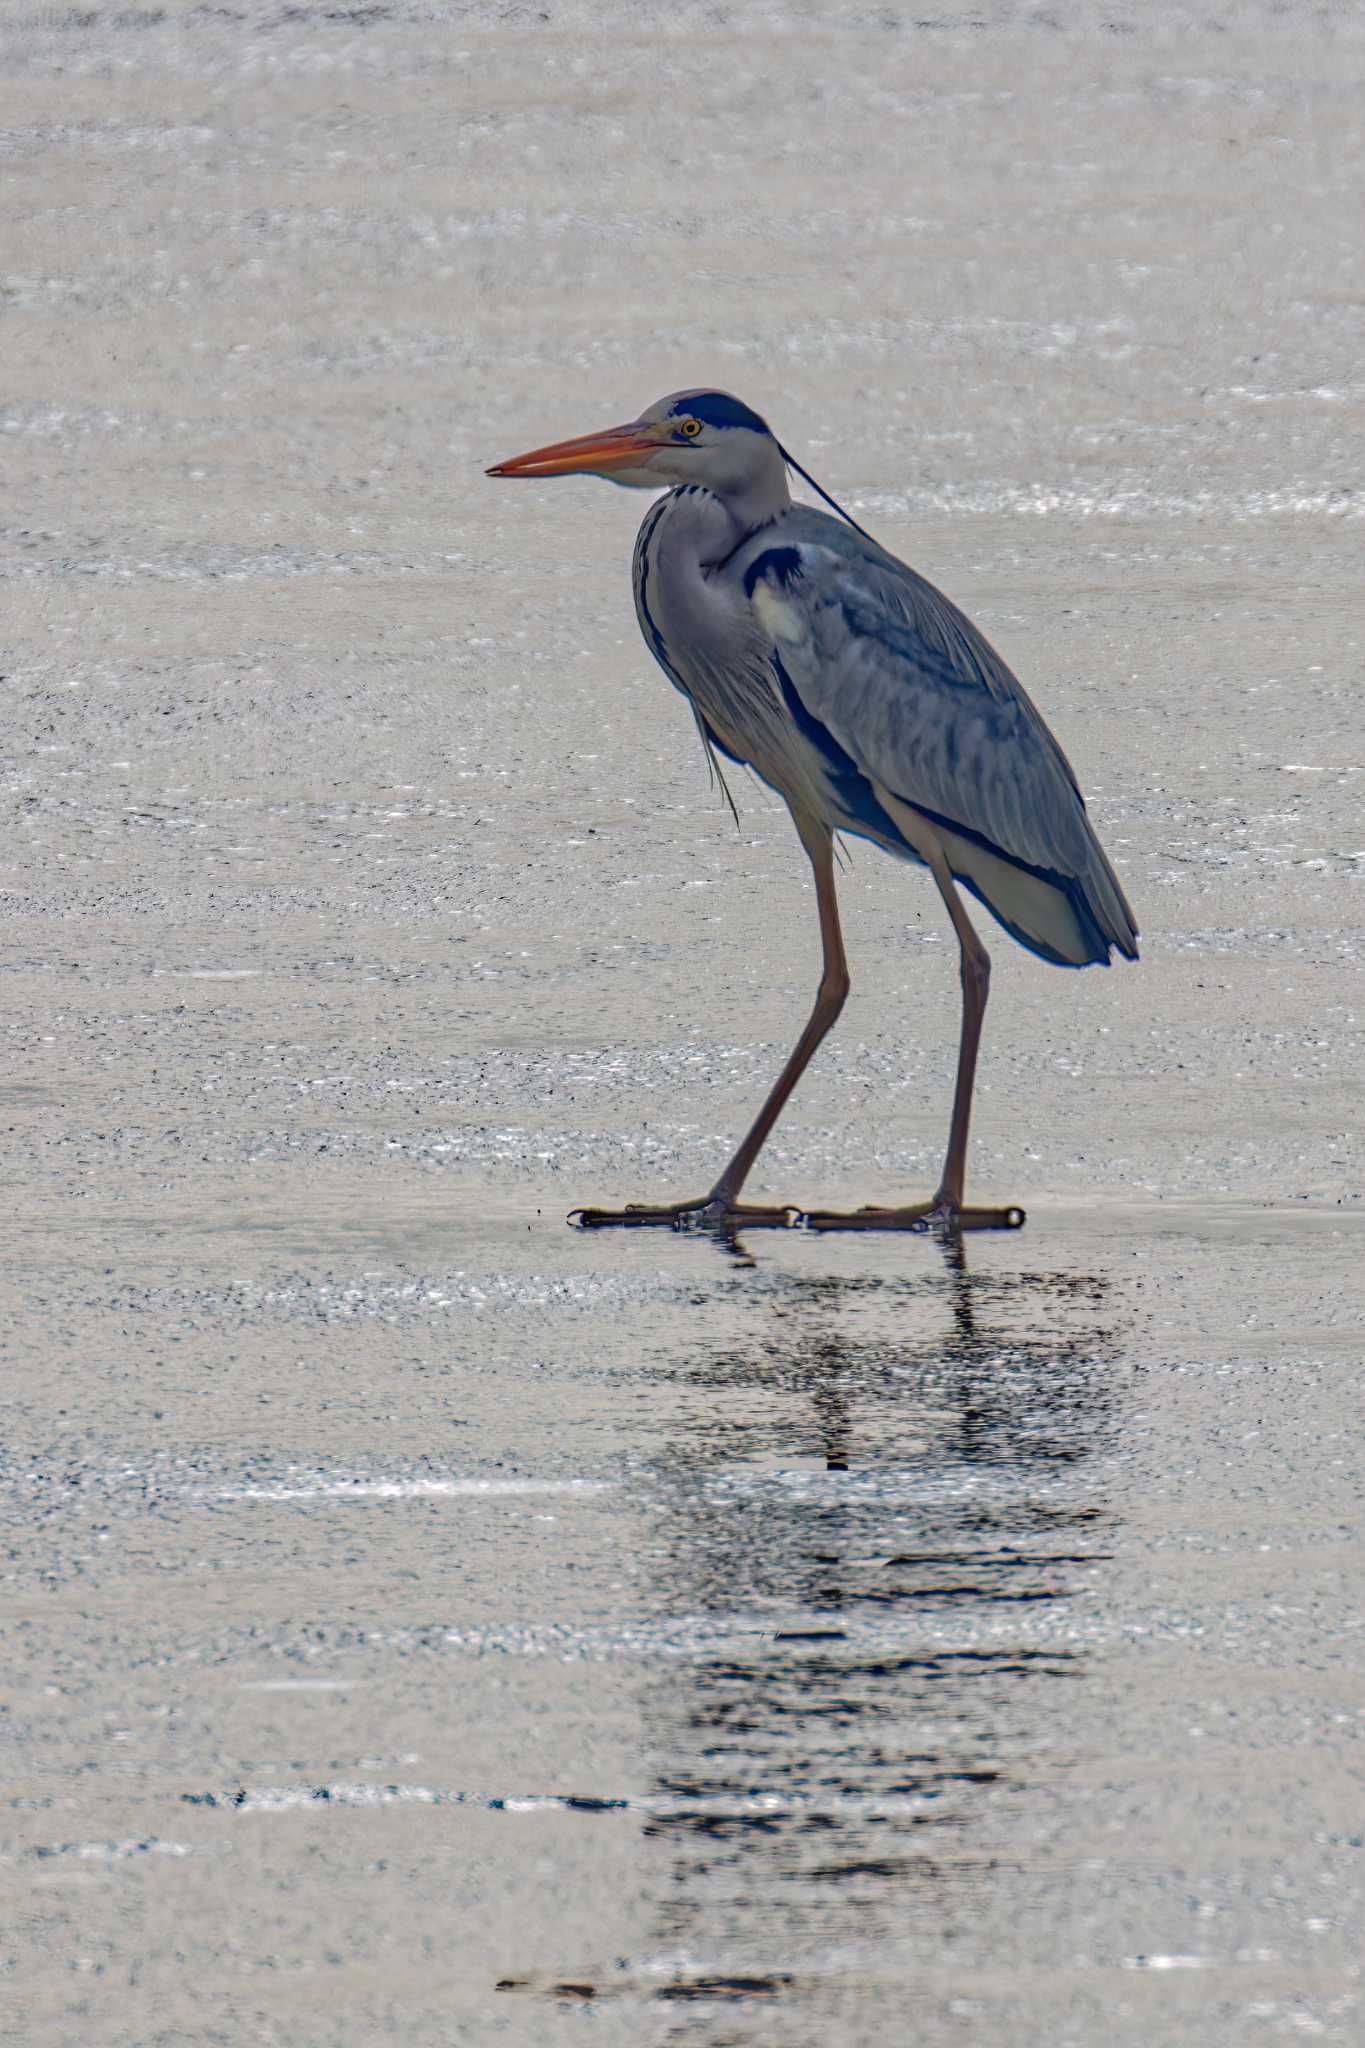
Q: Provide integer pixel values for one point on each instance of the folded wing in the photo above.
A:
(912, 692)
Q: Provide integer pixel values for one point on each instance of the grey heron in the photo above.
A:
(873, 707)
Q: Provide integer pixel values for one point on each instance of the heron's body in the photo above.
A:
(870, 703)
(858, 692)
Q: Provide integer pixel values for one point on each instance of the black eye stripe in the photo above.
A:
(718, 409)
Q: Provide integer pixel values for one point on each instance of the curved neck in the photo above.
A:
(760, 494)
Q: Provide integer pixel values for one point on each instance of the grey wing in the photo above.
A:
(929, 712)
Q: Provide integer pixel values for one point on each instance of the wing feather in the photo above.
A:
(925, 706)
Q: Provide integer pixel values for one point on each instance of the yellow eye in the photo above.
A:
(690, 428)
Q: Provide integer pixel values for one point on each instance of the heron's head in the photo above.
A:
(691, 437)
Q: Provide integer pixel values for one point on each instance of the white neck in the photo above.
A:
(761, 493)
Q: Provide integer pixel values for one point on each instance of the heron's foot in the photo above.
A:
(711, 1213)
(942, 1215)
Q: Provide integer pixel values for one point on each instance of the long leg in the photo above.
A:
(946, 1206)
(720, 1204)
(975, 969)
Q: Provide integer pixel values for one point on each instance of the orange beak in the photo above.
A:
(590, 454)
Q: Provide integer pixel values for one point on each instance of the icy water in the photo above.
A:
(423, 1623)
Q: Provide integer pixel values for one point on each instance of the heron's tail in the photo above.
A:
(1071, 920)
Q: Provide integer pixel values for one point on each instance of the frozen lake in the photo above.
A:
(427, 1624)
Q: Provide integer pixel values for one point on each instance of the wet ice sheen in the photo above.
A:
(424, 1624)
(348, 1489)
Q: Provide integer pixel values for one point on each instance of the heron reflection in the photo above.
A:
(881, 1515)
